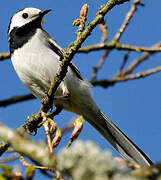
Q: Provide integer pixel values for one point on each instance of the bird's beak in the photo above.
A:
(42, 13)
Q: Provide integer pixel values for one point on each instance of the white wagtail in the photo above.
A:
(36, 58)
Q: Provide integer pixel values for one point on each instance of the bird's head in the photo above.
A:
(27, 16)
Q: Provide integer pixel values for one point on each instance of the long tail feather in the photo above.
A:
(118, 139)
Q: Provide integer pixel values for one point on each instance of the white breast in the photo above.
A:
(35, 64)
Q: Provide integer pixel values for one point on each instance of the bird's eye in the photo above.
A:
(25, 15)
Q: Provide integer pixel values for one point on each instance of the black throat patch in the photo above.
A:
(21, 35)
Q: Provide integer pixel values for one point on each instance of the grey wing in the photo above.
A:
(52, 44)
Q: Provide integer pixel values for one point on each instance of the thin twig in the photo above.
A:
(138, 75)
(26, 164)
(118, 46)
(100, 64)
(137, 62)
(109, 82)
(16, 99)
(4, 56)
(128, 17)
(46, 125)
(138, 48)
(103, 28)
(124, 61)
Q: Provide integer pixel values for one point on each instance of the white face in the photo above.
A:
(23, 17)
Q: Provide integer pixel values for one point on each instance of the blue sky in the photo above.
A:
(134, 106)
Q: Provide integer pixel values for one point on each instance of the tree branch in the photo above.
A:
(16, 99)
(4, 56)
(137, 62)
(129, 16)
(107, 82)
(119, 46)
(100, 64)
(33, 151)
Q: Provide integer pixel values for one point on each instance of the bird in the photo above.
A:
(36, 58)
